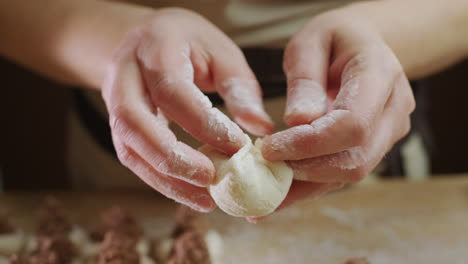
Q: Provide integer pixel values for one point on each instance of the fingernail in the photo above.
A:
(229, 136)
(265, 118)
(257, 122)
(202, 177)
(254, 128)
(270, 149)
(205, 203)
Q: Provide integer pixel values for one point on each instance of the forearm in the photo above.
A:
(70, 41)
(426, 35)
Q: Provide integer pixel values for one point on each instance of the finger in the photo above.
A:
(243, 99)
(306, 101)
(305, 64)
(305, 141)
(161, 117)
(354, 164)
(237, 85)
(195, 197)
(133, 121)
(364, 92)
(349, 166)
(168, 74)
(301, 190)
(367, 81)
(168, 156)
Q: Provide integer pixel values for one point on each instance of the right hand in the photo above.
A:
(158, 72)
(349, 102)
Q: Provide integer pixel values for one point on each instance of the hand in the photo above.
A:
(158, 72)
(348, 102)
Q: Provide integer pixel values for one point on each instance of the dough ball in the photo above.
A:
(246, 184)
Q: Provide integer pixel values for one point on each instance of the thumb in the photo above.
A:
(306, 66)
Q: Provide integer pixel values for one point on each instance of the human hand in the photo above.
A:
(348, 102)
(158, 72)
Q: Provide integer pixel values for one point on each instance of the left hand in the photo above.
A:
(348, 102)
(159, 70)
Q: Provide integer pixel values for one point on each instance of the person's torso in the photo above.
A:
(265, 23)
(249, 23)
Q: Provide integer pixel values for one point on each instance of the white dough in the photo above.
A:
(163, 249)
(146, 260)
(143, 247)
(246, 184)
(214, 244)
(78, 236)
(11, 243)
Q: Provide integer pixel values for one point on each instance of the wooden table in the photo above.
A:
(387, 222)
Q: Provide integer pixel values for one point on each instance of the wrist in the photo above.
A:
(426, 36)
(91, 35)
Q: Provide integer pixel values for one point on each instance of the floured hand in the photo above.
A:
(158, 73)
(348, 102)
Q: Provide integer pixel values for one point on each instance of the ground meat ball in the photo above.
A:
(58, 247)
(189, 248)
(119, 220)
(50, 250)
(186, 219)
(118, 248)
(46, 257)
(6, 227)
(15, 260)
(52, 220)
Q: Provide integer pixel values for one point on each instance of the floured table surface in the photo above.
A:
(388, 222)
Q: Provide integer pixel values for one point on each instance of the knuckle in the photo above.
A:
(410, 103)
(127, 47)
(406, 127)
(160, 90)
(115, 60)
(292, 46)
(360, 131)
(149, 56)
(118, 120)
(124, 155)
(108, 87)
(144, 31)
(120, 54)
(290, 54)
(402, 84)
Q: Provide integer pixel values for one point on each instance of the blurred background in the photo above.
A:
(34, 115)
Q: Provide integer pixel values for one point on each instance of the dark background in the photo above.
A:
(34, 113)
